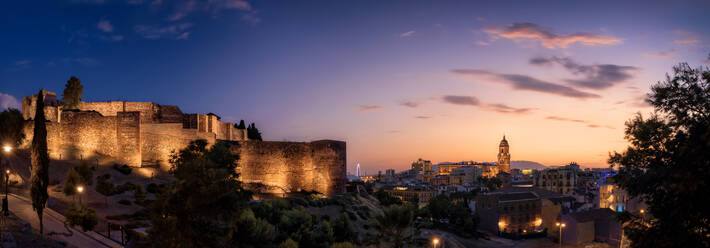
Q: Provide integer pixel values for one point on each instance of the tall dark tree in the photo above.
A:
(394, 223)
(72, 93)
(40, 162)
(253, 133)
(240, 125)
(667, 163)
(202, 207)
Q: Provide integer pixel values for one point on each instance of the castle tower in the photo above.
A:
(504, 156)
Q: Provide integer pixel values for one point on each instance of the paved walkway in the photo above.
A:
(54, 222)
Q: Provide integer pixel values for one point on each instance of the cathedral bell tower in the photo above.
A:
(504, 156)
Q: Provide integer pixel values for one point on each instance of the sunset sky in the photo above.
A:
(396, 80)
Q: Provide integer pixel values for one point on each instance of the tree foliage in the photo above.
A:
(83, 216)
(202, 207)
(39, 173)
(11, 124)
(385, 199)
(667, 163)
(72, 93)
(394, 223)
(253, 133)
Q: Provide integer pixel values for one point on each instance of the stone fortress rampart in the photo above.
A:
(146, 133)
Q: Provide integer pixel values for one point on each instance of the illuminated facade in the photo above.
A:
(504, 156)
(561, 180)
(510, 212)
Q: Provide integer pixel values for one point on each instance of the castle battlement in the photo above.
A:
(147, 133)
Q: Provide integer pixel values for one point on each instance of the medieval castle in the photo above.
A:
(145, 134)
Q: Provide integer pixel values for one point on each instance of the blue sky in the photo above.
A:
(397, 80)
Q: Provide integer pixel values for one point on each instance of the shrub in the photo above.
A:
(127, 186)
(85, 172)
(124, 202)
(80, 215)
(138, 194)
(289, 243)
(152, 188)
(343, 245)
(70, 182)
(124, 169)
(104, 186)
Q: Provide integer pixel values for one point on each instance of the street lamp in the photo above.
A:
(560, 225)
(435, 241)
(79, 189)
(7, 148)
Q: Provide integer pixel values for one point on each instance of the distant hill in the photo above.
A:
(523, 164)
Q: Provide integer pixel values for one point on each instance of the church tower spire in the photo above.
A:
(504, 156)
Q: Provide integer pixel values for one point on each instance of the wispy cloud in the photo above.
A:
(505, 109)
(85, 61)
(547, 37)
(23, 62)
(367, 108)
(663, 54)
(411, 104)
(584, 122)
(683, 32)
(177, 31)
(8, 101)
(461, 100)
(687, 41)
(523, 82)
(407, 34)
(598, 76)
(422, 117)
(105, 25)
(186, 8)
(473, 101)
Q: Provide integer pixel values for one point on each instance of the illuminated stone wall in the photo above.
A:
(293, 166)
(146, 134)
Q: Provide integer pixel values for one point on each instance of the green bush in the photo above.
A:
(124, 169)
(104, 186)
(80, 215)
(289, 243)
(124, 202)
(138, 194)
(152, 188)
(127, 186)
(343, 245)
(71, 181)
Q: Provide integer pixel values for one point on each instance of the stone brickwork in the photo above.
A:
(293, 166)
(128, 133)
(146, 134)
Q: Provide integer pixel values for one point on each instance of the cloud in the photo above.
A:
(407, 34)
(422, 117)
(547, 37)
(105, 25)
(8, 101)
(177, 31)
(481, 43)
(186, 8)
(410, 104)
(505, 109)
(367, 108)
(663, 54)
(687, 41)
(586, 123)
(85, 61)
(111, 37)
(597, 76)
(461, 100)
(683, 32)
(523, 82)
(23, 62)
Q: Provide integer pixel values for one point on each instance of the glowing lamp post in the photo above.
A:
(79, 189)
(5, 208)
(501, 227)
(561, 226)
(435, 242)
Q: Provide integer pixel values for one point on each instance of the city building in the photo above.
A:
(504, 156)
(465, 175)
(419, 195)
(506, 212)
(612, 197)
(423, 166)
(597, 225)
(562, 179)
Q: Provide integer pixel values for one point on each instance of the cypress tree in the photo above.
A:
(40, 162)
